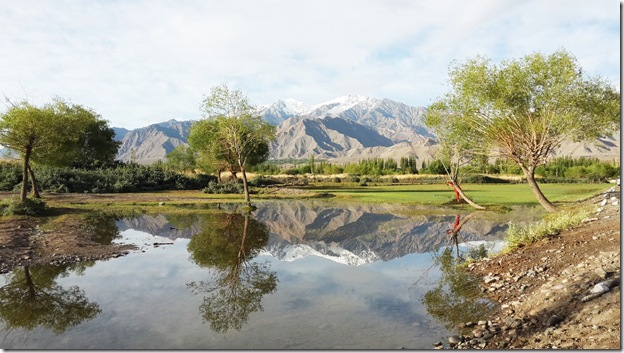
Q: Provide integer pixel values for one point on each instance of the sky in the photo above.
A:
(140, 62)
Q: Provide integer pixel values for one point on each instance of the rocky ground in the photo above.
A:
(562, 292)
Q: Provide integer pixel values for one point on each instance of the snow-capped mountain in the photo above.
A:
(281, 110)
(345, 129)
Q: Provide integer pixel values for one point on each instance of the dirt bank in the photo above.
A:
(545, 289)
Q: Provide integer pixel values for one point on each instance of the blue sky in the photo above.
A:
(138, 62)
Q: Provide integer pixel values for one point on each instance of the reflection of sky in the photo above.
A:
(318, 304)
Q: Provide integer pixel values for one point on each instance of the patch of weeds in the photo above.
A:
(518, 236)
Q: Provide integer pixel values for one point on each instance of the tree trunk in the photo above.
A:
(25, 174)
(35, 186)
(245, 187)
(530, 175)
(459, 191)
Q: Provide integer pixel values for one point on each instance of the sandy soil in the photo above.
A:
(540, 287)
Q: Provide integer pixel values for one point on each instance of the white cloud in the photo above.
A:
(141, 62)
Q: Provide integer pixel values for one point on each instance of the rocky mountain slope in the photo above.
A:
(152, 143)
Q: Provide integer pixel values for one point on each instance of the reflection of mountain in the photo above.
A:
(158, 225)
(360, 234)
(350, 234)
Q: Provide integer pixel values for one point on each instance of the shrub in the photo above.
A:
(260, 181)
(354, 178)
(223, 188)
(30, 207)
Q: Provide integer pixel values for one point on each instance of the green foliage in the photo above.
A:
(129, 177)
(232, 136)
(10, 176)
(584, 169)
(57, 134)
(29, 207)
(265, 168)
(526, 107)
(262, 181)
(435, 167)
(182, 159)
(518, 236)
(223, 188)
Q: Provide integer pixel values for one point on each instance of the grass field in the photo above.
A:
(492, 196)
(483, 194)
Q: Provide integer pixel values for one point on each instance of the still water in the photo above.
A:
(290, 275)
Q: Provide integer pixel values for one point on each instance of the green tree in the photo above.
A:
(527, 107)
(231, 134)
(96, 146)
(182, 159)
(56, 134)
(459, 143)
(27, 129)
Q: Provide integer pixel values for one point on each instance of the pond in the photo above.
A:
(290, 275)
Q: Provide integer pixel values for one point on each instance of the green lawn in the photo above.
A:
(484, 194)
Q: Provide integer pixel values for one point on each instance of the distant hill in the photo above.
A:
(152, 143)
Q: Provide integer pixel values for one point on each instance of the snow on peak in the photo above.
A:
(340, 104)
(294, 106)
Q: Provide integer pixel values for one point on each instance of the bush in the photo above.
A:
(223, 188)
(10, 176)
(337, 180)
(260, 181)
(354, 178)
(30, 207)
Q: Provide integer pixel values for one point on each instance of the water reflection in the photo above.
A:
(102, 227)
(350, 234)
(454, 232)
(227, 244)
(32, 298)
(457, 297)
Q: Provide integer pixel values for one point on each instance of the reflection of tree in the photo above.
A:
(227, 244)
(458, 297)
(32, 298)
(101, 227)
(454, 233)
(182, 221)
